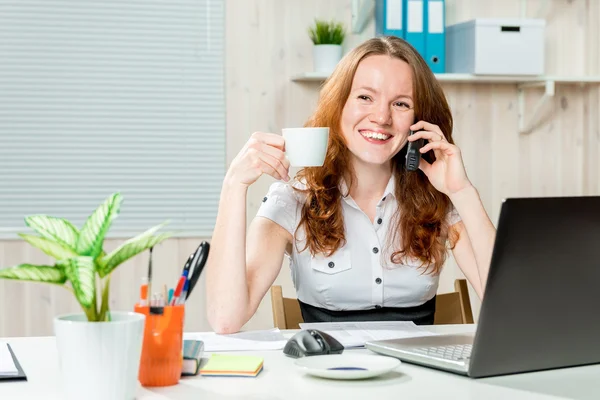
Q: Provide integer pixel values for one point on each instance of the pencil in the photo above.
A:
(150, 272)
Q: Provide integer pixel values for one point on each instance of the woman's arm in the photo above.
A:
(238, 274)
(473, 250)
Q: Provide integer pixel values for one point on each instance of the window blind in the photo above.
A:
(112, 95)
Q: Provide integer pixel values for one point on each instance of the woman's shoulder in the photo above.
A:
(282, 204)
(293, 191)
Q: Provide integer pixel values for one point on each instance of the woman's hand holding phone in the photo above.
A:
(447, 173)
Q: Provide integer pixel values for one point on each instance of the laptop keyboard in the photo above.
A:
(460, 352)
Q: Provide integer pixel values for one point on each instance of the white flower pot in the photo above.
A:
(100, 360)
(326, 57)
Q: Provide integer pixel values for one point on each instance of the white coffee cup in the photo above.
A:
(306, 147)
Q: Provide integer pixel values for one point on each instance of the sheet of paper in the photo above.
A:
(7, 365)
(355, 334)
(271, 339)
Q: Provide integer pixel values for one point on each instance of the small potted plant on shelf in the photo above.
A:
(327, 37)
(99, 349)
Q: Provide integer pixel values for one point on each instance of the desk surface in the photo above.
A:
(281, 380)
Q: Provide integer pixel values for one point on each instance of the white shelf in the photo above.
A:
(310, 77)
(468, 78)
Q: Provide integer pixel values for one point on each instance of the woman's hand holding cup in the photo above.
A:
(263, 153)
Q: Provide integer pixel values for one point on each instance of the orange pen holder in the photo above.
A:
(162, 349)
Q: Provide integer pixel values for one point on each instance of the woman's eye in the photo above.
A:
(363, 97)
(402, 105)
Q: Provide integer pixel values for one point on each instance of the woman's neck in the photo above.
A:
(370, 182)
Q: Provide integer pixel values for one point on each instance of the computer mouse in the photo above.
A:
(311, 342)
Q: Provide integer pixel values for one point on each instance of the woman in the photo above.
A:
(366, 238)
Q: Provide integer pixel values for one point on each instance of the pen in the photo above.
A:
(154, 308)
(184, 292)
(157, 307)
(178, 290)
(144, 292)
(150, 272)
(157, 300)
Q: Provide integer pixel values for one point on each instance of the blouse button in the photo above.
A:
(379, 221)
(331, 264)
(375, 250)
(264, 199)
(378, 281)
(383, 199)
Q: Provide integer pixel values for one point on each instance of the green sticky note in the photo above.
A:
(228, 364)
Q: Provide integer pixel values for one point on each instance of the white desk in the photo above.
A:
(281, 380)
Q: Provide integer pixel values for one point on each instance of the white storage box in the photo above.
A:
(496, 47)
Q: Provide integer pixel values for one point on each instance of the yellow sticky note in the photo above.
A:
(232, 365)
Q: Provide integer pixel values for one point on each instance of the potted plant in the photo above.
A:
(327, 37)
(99, 350)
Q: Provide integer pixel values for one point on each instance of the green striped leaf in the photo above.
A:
(80, 272)
(103, 260)
(56, 229)
(49, 247)
(34, 273)
(97, 225)
(129, 249)
(104, 309)
(150, 231)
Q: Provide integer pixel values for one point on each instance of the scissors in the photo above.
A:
(197, 265)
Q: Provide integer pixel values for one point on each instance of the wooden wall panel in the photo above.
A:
(267, 43)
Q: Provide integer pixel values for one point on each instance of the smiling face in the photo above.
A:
(379, 110)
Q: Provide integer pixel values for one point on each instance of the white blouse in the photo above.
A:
(359, 275)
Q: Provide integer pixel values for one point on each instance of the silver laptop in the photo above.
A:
(540, 307)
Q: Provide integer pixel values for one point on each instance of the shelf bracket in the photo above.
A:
(549, 90)
(362, 11)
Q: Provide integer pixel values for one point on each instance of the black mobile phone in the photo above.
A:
(413, 155)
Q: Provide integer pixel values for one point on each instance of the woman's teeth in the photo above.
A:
(375, 135)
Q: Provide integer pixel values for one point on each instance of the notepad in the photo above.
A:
(7, 365)
(10, 369)
(232, 365)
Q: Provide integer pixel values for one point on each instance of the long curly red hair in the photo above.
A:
(419, 228)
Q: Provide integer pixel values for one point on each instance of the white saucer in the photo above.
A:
(347, 366)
